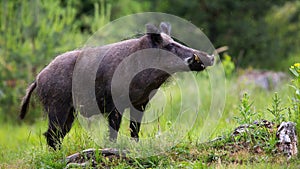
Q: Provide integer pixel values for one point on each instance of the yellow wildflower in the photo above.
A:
(297, 65)
(292, 67)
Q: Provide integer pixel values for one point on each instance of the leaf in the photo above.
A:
(294, 72)
(294, 87)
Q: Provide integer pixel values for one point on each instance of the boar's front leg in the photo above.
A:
(136, 116)
(114, 121)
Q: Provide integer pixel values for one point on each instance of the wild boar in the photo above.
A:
(54, 83)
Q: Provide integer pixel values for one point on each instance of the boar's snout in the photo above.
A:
(206, 59)
(200, 60)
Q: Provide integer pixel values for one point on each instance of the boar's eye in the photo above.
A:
(169, 46)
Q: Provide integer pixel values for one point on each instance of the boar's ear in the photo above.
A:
(165, 27)
(151, 29)
(154, 34)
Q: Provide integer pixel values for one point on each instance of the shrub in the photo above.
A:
(33, 33)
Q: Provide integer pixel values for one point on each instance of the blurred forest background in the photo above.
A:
(260, 34)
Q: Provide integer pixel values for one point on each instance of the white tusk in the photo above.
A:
(197, 59)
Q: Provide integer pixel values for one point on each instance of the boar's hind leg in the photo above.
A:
(114, 121)
(60, 123)
(136, 116)
(69, 122)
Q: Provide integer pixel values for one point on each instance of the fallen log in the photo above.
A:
(88, 157)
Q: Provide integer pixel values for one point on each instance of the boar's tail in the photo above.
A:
(26, 99)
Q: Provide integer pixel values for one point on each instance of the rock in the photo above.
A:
(267, 80)
(246, 127)
(288, 141)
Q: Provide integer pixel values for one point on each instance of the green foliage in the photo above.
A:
(245, 111)
(282, 37)
(277, 111)
(261, 35)
(93, 21)
(32, 34)
(228, 65)
(295, 98)
(125, 7)
(256, 134)
(295, 69)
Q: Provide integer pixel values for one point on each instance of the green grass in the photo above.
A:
(23, 146)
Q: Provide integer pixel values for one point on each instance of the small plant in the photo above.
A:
(228, 65)
(295, 99)
(245, 110)
(277, 111)
(255, 134)
(295, 69)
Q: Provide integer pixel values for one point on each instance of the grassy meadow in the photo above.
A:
(24, 146)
